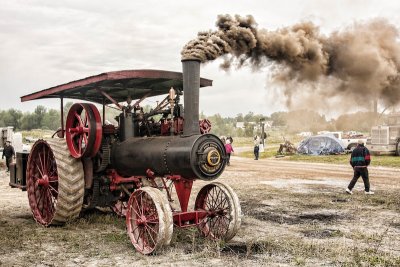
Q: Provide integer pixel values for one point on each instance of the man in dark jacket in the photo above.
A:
(9, 153)
(359, 160)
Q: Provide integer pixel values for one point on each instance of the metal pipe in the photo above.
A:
(109, 98)
(191, 86)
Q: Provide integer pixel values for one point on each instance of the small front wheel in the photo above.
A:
(222, 205)
(145, 220)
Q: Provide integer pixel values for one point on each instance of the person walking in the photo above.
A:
(359, 160)
(228, 150)
(9, 153)
(256, 147)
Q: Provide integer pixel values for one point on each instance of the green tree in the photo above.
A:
(10, 117)
(249, 117)
(248, 129)
(51, 120)
(239, 117)
(29, 121)
(279, 118)
(40, 111)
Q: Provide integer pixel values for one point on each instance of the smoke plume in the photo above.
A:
(359, 63)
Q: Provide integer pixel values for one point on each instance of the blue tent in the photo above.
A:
(321, 145)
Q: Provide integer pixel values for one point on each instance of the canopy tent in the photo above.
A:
(321, 145)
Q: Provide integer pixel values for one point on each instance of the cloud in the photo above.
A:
(45, 43)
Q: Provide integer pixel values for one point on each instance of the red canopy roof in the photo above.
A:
(117, 84)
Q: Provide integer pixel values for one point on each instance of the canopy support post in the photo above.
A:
(62, 116)
(104, 111)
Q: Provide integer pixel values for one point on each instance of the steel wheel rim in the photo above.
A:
(42, 183)
(143, 222)
(216, 203)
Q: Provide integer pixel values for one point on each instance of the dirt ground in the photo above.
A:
(294, 214)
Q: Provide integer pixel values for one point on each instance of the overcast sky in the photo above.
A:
(47, 43)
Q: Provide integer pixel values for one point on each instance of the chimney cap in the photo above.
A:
(190, 59)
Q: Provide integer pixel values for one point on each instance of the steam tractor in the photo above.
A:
(134, 166)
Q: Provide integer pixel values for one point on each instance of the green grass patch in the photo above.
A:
(271, 152)
(37, 134)
(268, 153)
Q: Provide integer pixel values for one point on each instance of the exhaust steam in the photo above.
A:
(356, 64)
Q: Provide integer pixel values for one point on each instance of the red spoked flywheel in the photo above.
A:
(205, 126)
(83, 130)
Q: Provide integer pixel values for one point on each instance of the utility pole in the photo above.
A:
(262, 124)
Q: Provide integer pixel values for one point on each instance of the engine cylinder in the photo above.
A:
(192, 157)
(127, 127)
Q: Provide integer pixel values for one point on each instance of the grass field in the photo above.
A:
(273, 146)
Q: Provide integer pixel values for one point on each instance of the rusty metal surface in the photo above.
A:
(117, 84)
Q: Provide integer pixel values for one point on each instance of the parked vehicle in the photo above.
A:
(349, 139)
(385, 139)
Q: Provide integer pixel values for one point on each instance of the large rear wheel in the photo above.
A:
(55, 183)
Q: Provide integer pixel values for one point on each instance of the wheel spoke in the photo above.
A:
(44, 202)
(134, 229)
(134, 210)
(44, 160)
(223, 201)
(218, 197)
(85, 139)
(40, 196)
(139, 210)
(85, 123)
(41, 167)
(151, 236)
(141, 237)
(53, 179)
(79, 118)
(52, 188)
(151, 228)
(142, 204)
(50, 203)
(213, 196)
(40, 172)
(80, 145)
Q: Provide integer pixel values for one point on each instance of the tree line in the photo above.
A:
(291, 121)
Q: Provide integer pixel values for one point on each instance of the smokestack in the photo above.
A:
(191, 86)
